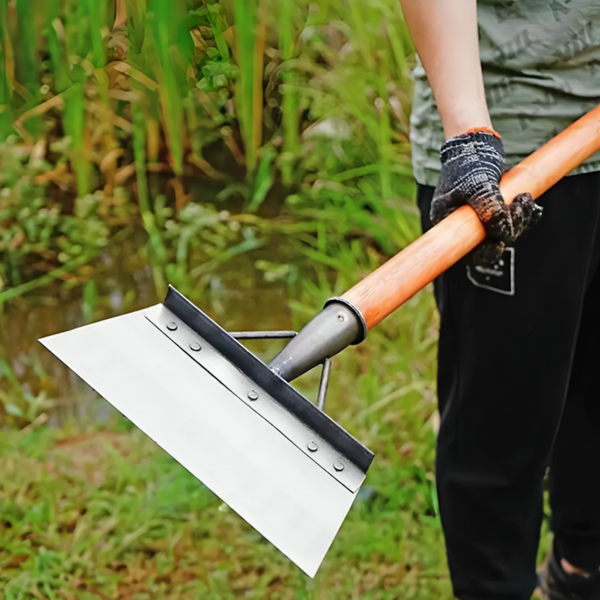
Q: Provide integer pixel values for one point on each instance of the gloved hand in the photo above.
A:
(472, 165)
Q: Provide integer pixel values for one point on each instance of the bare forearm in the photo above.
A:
(446, 38)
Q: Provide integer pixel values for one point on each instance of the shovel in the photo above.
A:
(237, 424)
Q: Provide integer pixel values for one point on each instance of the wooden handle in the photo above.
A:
(392, 284)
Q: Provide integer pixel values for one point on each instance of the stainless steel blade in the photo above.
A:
(266, 476)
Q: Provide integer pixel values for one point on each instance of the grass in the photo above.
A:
(106, 514)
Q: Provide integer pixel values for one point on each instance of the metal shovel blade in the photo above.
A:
(283, 465)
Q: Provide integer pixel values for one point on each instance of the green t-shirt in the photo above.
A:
(541, 69)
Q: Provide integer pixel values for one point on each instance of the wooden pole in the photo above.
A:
(392, 284)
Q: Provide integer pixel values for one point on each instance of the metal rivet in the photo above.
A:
(252, 395)
(312, 446)
(339, 465)
(341, 318)
(172, 326)
(195, 347)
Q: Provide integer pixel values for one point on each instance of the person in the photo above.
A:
(520, 319)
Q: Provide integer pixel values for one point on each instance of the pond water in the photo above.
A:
(237, 297)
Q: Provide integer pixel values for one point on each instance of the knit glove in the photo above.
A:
(472, 165)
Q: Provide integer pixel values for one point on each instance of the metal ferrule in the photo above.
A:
(336, 327)
(363, 329)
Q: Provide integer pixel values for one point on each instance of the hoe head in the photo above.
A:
(269, 453)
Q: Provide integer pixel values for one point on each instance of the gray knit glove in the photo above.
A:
(472, 165)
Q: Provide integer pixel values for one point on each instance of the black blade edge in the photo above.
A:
(279, 389)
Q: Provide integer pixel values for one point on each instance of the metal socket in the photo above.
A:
(337, 326)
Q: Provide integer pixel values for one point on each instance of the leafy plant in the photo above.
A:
(259, 101)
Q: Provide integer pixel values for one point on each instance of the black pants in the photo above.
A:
(518, 388)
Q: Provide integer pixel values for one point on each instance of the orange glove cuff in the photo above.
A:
(485, 130)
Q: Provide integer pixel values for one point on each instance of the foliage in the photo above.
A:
(36, 234)
(290, 109)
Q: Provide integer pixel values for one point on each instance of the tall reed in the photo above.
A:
(247, 38)
(5, 67)
(261, 100)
